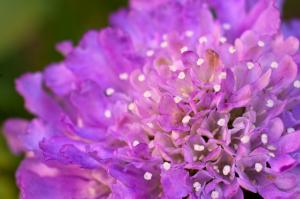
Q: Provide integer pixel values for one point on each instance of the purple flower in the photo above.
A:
(177, 99)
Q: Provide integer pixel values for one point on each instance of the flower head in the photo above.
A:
(177, 99)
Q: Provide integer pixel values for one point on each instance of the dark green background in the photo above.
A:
(29, 29)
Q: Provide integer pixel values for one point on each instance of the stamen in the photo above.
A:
(198, 147)
(231, 49)
(217, 87)
(186, 119)
(291, 130)
(184, 49)
(264, 138)
(226, 170)
(135, 143)
(150, 53)
(274, 64)
(245, 139)
(250, 65)
(123, 76)
(223, 75)
(141, 77)
(226, 26)
(258, 167)
(200, 61)
(166, 166)
(202, 40)
(175, 135)
(107, 113)
(214, 194)
(271, 154)
(164, 44)
(177, 99)
(296, 84)
(221, 122)
(271, 147)
(147, 94)
(181, 75)
(270, 103)
(260, 43)
(148, 176)
(131, 106)
(223, 39)
(109, 91)
(150, 125)
(197, 186)
(189, 33)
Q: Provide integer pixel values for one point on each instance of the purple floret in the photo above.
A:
(176, 99)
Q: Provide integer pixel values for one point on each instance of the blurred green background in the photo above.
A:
(29, 29)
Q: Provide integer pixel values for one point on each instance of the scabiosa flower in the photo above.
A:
(177, 99)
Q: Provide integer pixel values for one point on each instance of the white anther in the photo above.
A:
(296, 84)
(141, 77)
(150, 124)
(107, 113)
(260, 43)
(214, 194)
(135, 143)
(223, 75)
(231, 50)
(271, 154)
(245, 139)
(177, 99)
(274, 64)
(151, 144)
(164, 44)
(226, 26)
(223, 39)
(250, 65)
(109, 91)
(198, 147)
(123, 76)
(291, 130)
(189, 33)
(226, 170)
(181, 75)
(197, 186)
(131, 106)
(270, 103)
(186, 119)
(202, 40)
(271, 147)
(184, 49)
(150, 53)
(200, 61)
(221, 122)
(217, 87)
(147, 94)
(166, 166)
(264, 138)
(258, 167)
(148, 176)
(175, 135)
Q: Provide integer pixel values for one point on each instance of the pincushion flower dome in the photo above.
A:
(175, 99)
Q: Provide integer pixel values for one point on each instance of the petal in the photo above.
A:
(37, 100)
(36, 180)
(282, 162)
(12, 129)
(289, 143)
(176, 189)
(59, 78)
(285, 74)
